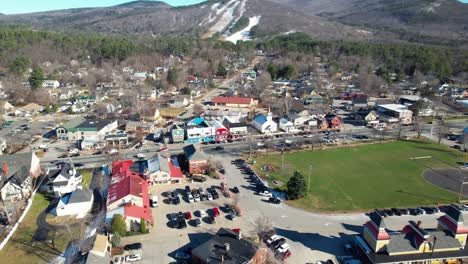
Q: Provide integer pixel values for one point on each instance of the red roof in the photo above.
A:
(138, 212)
(125, 182)
(456, 228)
(175, 171)
(379, 235)
(232, 100)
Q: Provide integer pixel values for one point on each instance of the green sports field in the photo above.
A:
(366, 177)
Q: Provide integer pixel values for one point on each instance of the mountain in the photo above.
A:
(436, 18)
(322, 19)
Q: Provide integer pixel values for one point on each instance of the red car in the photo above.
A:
(215, 212)
(188, 215)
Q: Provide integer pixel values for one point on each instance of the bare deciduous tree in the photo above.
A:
(262, 226)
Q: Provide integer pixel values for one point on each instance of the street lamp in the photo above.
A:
(308, 183)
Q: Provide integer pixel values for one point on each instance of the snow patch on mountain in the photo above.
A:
(244, 34)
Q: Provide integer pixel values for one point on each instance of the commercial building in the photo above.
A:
(414, 243)
(400, 112)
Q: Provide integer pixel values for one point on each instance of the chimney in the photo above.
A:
(5, 168)
(227, 246)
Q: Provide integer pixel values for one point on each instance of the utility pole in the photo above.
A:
(461, 190)
(308, 184)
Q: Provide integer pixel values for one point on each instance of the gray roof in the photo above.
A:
(98, 124)
(402, 242)
(64, 171)
(240, 250)
(73, 122)
(454, 213)
(80, 196)
(192, 154)
(19, 166)
(377, 219)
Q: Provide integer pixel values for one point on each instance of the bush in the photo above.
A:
(296, 186)
(115, 241)
(143, 228)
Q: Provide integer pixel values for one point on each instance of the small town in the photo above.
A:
(280, 149)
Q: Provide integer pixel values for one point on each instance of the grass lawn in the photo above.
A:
(173, 112)
(21, 249)
(87, 175)
(366, 177)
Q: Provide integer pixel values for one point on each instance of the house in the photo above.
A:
(235, 128)
(322, 124)
(62, 130)
(371, 116)
(228, 247)
(414, 243)
(156, 170)
(265, 124)
(221, 132)
(86, 100)
(178, 102)
(177, 134)
(65, 180)
(118, 139)
(5, 107)
(400, 112)
(140, 127)
(286, 125)
(334, 122)
(299, 120)
(197, 162)
(78, 203)
(89, 128)
(128, 196)
(16, 176)
(51, 84)
(240, 102)
(114, 108)
(3, 145)
(31, 109)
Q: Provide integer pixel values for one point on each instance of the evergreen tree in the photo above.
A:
(172, 76)
(37, 78)
(296, 186)
(19, 66)
(143, 226)
(222, 71)
(116, 238)
(118, 225)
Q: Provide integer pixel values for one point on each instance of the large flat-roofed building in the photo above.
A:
(398, 111)
(414, 243)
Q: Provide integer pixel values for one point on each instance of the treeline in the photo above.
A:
(242, 23)
(398, 58)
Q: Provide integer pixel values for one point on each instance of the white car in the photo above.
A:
(196, 197)
(209, 196)
(113, 151)
(283, 248)
(132, 258)
(202, 213)
(190, 198)
(272, 239)
(154, 201)
(265, 193)
(140, 155)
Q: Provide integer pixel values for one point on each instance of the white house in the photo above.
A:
(77, 203)
(29, 110)
(51, 84)
(265, 124)
(286, 125)
(156, 170)
(66, 180)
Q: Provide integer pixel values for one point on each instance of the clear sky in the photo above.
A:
(28, 6)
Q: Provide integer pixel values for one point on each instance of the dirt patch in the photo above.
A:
(449, 179)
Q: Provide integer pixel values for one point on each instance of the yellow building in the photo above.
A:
(414, 244)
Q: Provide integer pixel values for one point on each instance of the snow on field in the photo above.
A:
(244, 34)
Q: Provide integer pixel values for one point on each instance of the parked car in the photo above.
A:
(233, 215)
(182, 223)
(190, 198)
(209, 196)
(154, 201)
(197, 222)
(215, 211)
(215, 195)
(187, 189)
(421, 210)
(219, 148)
(202, 213)
(176, 200)
(133, 258)
(134, 246)
(188, 215)
(235, 190)
(274, 200)
(211, 220)
(272, 239)
(265, 193)
(196, 197)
